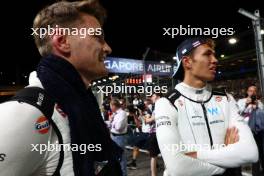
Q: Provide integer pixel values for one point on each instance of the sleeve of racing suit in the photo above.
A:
(177, 164)
(241, 106)
(18, 134)
(230, 156)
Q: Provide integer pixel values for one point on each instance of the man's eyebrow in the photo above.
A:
(209, 51)
(103, 32)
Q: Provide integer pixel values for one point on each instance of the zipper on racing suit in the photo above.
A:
(207, 125)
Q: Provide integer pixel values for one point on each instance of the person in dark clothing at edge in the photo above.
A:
(71, 60)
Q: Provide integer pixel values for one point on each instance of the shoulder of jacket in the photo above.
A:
(219, 91)
(15, 108)
(173, 94)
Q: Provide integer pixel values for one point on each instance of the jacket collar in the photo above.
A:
(195, 94)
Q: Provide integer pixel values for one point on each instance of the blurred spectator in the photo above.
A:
(140, 138)
(153, 146)
(118, 128)
(252, 109)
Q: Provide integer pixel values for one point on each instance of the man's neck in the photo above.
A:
(196, 83)
(86, 81)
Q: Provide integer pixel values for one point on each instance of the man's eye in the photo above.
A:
(100, 38)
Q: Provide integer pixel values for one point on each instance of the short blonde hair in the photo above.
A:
(64, 14)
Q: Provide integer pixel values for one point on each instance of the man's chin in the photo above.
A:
(101, 74)
(211, 78)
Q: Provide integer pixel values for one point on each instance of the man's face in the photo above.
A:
(252, 90)
(88, 53)
(203, 63)
(154, 98)
(112, 107)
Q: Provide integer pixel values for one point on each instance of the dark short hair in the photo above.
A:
(187, 48)
(157, 94)
(115, 102)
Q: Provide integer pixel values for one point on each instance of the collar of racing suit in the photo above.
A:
(195, 94)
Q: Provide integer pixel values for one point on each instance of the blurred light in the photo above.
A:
(104, 80)
(114, 77)
(94, 83)
(219, 72)
(162, 62)
(99, 81)
(232, 41)
(174, 58)
(13, 83)
(222, 56)
(262, 31)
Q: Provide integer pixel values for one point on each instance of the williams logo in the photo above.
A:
(213, 111)
(2, 156)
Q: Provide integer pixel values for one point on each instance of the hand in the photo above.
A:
(248, 101)
(232, 136)
(111, 117)
(254, 106)
(191, 154)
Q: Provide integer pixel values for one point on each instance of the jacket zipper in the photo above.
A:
(207, 125)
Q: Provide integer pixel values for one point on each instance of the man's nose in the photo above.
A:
(107, 49)
(214, 60)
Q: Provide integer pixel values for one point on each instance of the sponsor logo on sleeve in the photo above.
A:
(162, 118)
(164, 123)
(42, 125)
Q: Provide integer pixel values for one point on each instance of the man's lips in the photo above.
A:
(102, 58)
(213, 69)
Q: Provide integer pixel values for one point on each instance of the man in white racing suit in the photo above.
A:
(199, 130)
(28, 139)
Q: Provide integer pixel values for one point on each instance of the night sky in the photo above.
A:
(131, 27)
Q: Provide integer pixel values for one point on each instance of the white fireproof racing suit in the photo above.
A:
(27, 140)
(198, 121)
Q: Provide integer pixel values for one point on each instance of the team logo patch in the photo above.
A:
(63, 114)
(180, 102)
(42, 125)
(218, 98)
(213, 111)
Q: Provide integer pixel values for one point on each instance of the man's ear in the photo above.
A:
(60, 43)
(187, 62)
